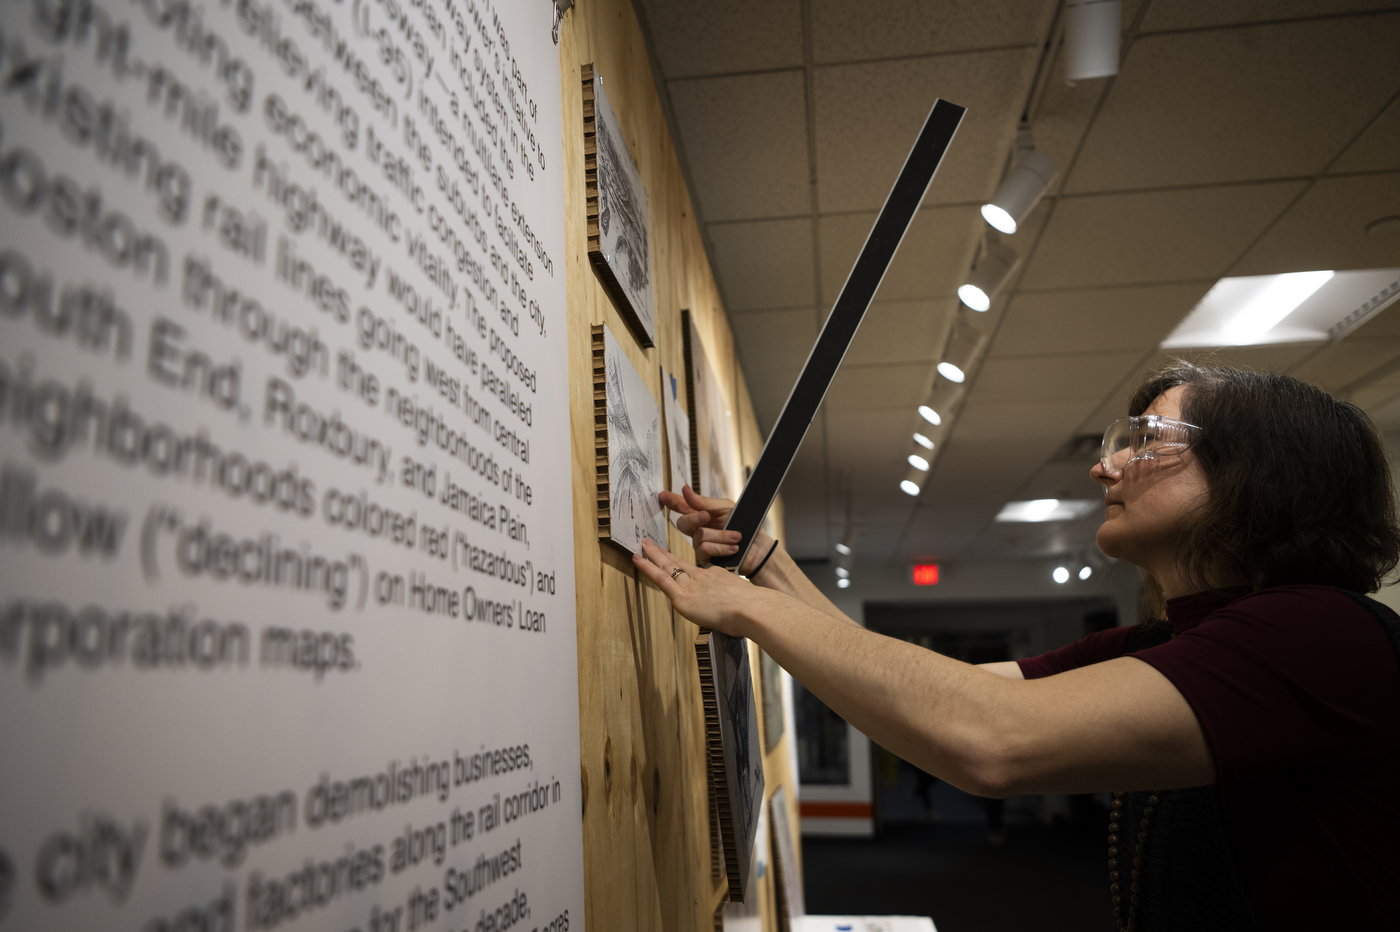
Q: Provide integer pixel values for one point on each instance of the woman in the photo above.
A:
(1257, 729)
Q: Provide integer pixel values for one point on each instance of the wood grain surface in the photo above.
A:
(646, 822)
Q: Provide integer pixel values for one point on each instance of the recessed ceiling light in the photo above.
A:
(1085, 572)
(842, 572)
(1294, 307)
(1060, 575)
(931, 415)
(1272, 303)
(918, 462)
(1045, 509)
(923, 441)
(843, 583)
(909, 487)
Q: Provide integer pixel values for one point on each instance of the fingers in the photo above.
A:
(650, 561)
(715, 541)
(676, 503)
(688, 523)
(720, 506)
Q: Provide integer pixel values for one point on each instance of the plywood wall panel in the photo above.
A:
(645, 824)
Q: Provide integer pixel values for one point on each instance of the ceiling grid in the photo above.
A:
(1241, 137)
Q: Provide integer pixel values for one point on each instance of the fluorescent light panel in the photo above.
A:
(1294, 307)
(1045, 509)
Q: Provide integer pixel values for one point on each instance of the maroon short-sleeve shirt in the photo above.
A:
(1297, 690)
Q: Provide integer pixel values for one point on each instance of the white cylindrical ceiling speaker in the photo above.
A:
(992, 270)
(1021, 191)
(1092, 29)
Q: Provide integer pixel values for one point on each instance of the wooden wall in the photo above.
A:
(645, 823)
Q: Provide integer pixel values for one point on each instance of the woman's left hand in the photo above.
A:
(711, 597)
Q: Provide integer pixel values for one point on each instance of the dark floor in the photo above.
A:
(1043, 877)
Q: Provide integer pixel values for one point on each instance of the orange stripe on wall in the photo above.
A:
(834, 810)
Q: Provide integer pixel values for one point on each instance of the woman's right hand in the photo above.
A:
(702, 520)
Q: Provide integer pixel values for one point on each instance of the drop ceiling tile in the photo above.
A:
(1058, 479)
(845, 31)
(1230, 105)
(867, 116)
(774, 339)
(1155, 236)
(1099, 319)
(902, 331)
(1024, 541)
(1338, 365)
(1385, 411)
(869, 388)
(1067, 377)
(874, 445)
(1195, 14)
(941, 532)
(738, 35)
(1326, 229)
(1378, 147)
(745, 142)
(985, 472)
(769, 387)
(876, 540)
(1377, 393)
(1034, 417)
(764, 264)
(931, 262)
(1063, 114)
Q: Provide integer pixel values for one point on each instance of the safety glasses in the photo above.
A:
(1146, 437)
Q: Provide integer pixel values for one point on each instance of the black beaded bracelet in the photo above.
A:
(764, 562)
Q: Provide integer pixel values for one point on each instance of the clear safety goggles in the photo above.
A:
(1146, 437)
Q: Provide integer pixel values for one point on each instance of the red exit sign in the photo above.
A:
(926, 574)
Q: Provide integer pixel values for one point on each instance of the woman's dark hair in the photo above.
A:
(1300, 490)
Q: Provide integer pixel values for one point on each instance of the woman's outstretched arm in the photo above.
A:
(1115, 725)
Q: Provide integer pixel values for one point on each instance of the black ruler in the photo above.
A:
(840, 328)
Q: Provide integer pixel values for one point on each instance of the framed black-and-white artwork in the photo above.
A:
(619, 220)
(627, 442)
(712, 460)
(787, 876)
(734, 751)
(677, 433)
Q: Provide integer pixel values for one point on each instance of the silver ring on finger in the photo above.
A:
(676, 572)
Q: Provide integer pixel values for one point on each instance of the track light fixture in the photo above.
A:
(1092, 29)
(1023, 188)
(959, 354)
(992, 270)
(939, 404)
